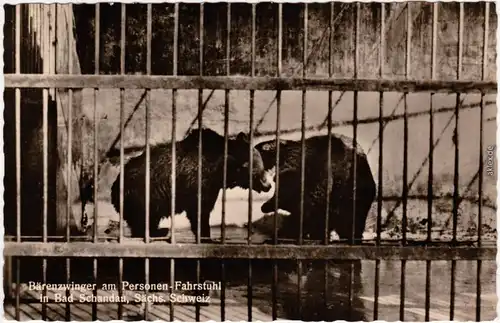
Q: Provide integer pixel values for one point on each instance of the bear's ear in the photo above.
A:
(242, 137)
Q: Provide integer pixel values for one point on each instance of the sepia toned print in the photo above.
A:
(250, 161)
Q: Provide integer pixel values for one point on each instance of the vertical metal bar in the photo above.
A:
(122, 93)
(350, 285)
(52, 45)
(148, 152)
(302, 160)
(456, 134)
(174, 152)
(96, 149)
(278, 116)
(8, 267)
(427, 289)
(44, 38)
(122, 165)
(481, 122)
(69, 160)
(329, 184)
(18, 123)
(250, 168)
(39, 51)
(94, 291)
(377, 289)
(380, 157)
(280, 39)
(41, 39)
(69, 165)
(228, 39)
(405, 130)
(402, 291)
(355, 121)
(380, 123)
(249, 291)
(329, 128)
(478, 290)
(226, 125)
(275, 239)
(405, 159)
(97, 48)
(45, 208)
(303, 131)
(277, 176)
(254, 15)
(26, 12)
(224, 180)
(200, 151)
(456, 168)
(355, 147)
(200, 125)
(18, 289)
(32, 52)
(173, 188)
(26, 18)
(452, 289)
(481, 162)
(18, 154)
(148, 121)
(36, 32)
(37, 37)
(45, 130)
(48, 43)
(430, 188)
(29, 63)
(430, 184)
(226, 130)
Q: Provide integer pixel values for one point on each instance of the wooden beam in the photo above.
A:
(243, 251)
(66, 62)
(244, 83)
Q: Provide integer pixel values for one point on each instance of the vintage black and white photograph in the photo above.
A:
(233, 161)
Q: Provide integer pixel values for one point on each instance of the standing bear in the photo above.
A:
(316, 186)
(186, 167)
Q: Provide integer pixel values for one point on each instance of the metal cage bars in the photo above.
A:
(173, 148)
(18, 152)
(274, 286)
(481, 162)
(456, 161)
(253, 83)
(380, 158)
(44, 81)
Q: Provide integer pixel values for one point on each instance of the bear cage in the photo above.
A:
(65, 246)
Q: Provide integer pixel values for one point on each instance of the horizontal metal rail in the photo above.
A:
(245, 251)
(244, 83)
